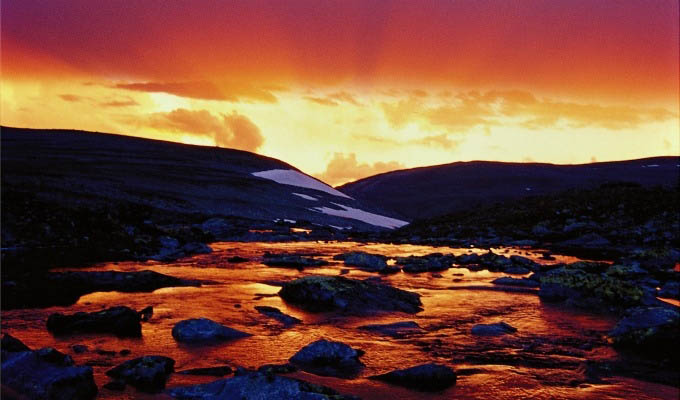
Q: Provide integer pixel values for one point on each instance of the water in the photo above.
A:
(453, 303)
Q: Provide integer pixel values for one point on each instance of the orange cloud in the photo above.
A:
(345, 168)
(204, 90)
(228, 130)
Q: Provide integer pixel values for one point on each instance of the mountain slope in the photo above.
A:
(442, 189)
(88, 169)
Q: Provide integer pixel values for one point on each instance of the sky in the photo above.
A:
(349, 88)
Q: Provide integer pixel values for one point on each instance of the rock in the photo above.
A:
(497, 329)
(626, 271)
(147, 374)
(524, 282)
(79, 348)
(277, 368)
(196, 248)
(337, 293)
(516, 270)
(645, 327)
(203, 330)
(670, 290)
(146, 313)
(466, 259)
(364, 261)
(46, 374)
(430, 262)
(589, 240)
(257, 385)
(121, 321)
(426, 377)
(65, 288)
(291, 261)
(217, 227)
(210, 371)
(116, 385)
(591, 289)
(328, 358)
(237, 259)
(396, 330)
(275, 313)
(12, 344)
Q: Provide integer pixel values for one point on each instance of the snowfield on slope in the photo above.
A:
(361, 215)
(295, 178)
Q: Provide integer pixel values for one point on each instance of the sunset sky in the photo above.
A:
(345, 89)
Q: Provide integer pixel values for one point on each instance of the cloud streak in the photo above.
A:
(204, 90)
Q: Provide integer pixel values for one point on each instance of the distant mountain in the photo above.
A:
(442, 189)
(76, 168)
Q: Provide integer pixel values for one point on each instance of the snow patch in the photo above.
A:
(361, 215)
(304, 196)
(294, 178)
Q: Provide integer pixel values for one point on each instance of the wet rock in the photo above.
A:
(646, 327)
(364, 261)
(277, 368)
(257, 385)
(328, 358)
(430, 262)
(46, 374)
(396, 330)
(509, 281)
(65, 288)
(147, 374)
(79, 348)
(237, 259)
(196, 248)
(275, 313)
(203, 330)
(670, 290)
(336, 293)
(12, 344)
(209, 371)
(517, 270)
(466, 259)
(590, 289)
(116, 385)
(121, 321)
(426, 377)
(497, 329)
(291, 261)
(146, 313)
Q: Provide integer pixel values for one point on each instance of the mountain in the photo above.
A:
(442, 189)
(85, 169)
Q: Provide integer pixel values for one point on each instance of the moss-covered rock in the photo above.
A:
(657, 327)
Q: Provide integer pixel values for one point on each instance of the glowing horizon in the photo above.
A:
(347, 89)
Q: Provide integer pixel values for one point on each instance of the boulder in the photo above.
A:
(430, 262)
(517, 270)
(203, 330)
(395, 330)
(328, 358)
(646, 327)
(509, 281)
(273, 312)
(497, 329)
(466, 259)
(46, 374)
(147, 374)
(257, 385)
(209, 371)
(426, 377)
(12, 344)
(291, 261)
(364, 261)
(121, 321)
(337, 293)
(196, 248)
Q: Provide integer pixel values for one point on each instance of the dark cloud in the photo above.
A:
(205, 90)
(345, 168)
(228, 130)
